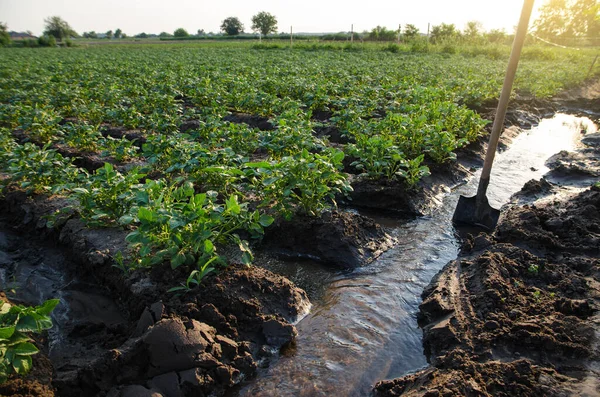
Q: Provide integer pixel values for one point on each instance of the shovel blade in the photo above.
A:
(471, 212)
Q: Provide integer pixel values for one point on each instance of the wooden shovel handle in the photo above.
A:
(497, 128)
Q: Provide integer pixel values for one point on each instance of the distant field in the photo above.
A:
(260, 131)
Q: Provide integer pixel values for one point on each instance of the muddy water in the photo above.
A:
(363, 324)
(32, 272)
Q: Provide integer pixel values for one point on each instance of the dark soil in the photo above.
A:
(260, 122)
(90, 161)
(198, 343)
(516, 313)
(341, 239)
(121, 132)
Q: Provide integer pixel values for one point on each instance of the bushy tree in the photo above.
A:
(142, 35)
(181, 32)
(109, 34)
(4, 35)
(47, 41)
(118, 33)
(380, 33)
(58, 28)
(90, 35)
(201, 32)
(496, 35)
(232, 26)
(165, 34)
(473, 29)
(443, 32)
(560, 18)
(411, 31)
(264, 23)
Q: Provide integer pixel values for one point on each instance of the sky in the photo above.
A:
(313, 16)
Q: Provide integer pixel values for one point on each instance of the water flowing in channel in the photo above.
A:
(363, 327)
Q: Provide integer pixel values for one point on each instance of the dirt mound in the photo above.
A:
(516, 313)
(342, 239)
(198, 343)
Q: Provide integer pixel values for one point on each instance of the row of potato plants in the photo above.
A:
(219, 182)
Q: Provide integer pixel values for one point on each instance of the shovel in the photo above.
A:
(477, 210)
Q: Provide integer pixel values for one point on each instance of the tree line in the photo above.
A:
(558, 18)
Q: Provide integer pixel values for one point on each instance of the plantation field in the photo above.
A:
(191, 148)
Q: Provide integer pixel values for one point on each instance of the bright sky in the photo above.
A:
(155, 16)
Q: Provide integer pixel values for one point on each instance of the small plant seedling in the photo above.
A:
(16, 322)
(533, 269)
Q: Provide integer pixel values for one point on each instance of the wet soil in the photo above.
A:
(517, 312)
(340, 239)
(198, 343)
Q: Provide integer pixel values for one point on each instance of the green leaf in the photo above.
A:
(266, 220)
(81, 190)
(47, 307)
(209, 247)
(25, 349)
(126, 220)
(7, 332)
(27, 324)
(232, 205)
(177, 260)
(144, 214)
(247, 258)
(4, 308)
(22, 364)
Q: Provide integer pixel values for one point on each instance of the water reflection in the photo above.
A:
(363, 324)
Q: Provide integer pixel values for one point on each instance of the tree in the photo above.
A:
(442, 32)
(201, 32)
(90, 35)
(4, 35)
(586, 18)
(410, 31)
(232, 26)
(553, 20)
(496, 36)
(164, 34)
(181, 32)
(58, 28)
(473, 29)
(142, 35)
(109, 34)
(118, 33)
(380, 33)
(264, 23)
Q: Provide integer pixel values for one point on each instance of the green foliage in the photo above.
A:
(182, 227)
(181, 32)
(107, 195)
(443, 32)
(232, 26)
(58, 28)
(264, 23)
(306, 182)
(410, 32)
(38, 170)
(381, 33)
(46, 41)
(568, 18)
(16, 322)
(4, 35)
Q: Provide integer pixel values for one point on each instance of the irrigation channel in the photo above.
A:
(363, 325)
